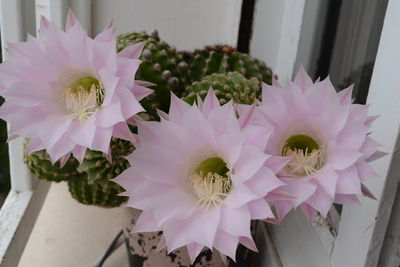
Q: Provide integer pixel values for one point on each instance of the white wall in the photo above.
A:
(186, 24)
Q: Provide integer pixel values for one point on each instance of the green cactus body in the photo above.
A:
(90, 182)
(223, 59)
(161, 65)
(231, 85)
(40, 165)
(102, 192)
(96, 165)
(97, 187)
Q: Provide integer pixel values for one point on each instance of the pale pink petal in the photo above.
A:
(146, 223)
(276, 163)
(365, 171)
(302, 79)
(327, 179)
(235, 221)
(126, 69)
(141, 92)
(365, 191)
(308, 211)
(107, 35)
(162, 115)
(264, 181)
(122, 131)
(83, 133)
(71, 20)
(23, 97)
(282, 208)
(249, 162)
(64, 160)
(177, 108)
(341, 157)
(210, 103)
(345, 95)
(347, 199)
(260, 209)
(320, 201)
(371, 119)
(248, 242)
(348, 181)
(109, 115)
(129, 180)
(101, 139)
(240, 195)
(129, 104)
(132, 51)
(79, 153)
(34, 145)
(60, 149)
(194, 250)
(222, 119)
(246, 115)
(58, 126)
(299, 191)
(376, 155)
(226, 244)
(110, 82)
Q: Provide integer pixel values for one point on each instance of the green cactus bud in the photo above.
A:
(102, 192)
(90, 182)
(40, 165)
(223, 59)
(230, 86)
(161, 65)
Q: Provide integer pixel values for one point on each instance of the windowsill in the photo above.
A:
(67, 233)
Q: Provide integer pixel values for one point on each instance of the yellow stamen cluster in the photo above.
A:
(303, 163)
(305, 153)
(211, 189)
(83, 97)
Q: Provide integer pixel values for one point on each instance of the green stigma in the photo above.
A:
(213, 165)
(300, 142)
(85, 83)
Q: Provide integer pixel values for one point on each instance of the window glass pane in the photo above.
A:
(346, 38)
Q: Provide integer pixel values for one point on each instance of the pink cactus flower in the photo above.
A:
(200, 178)
(325, 139)
(67, 92)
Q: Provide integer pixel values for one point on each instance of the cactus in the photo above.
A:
(102, 192)
(161, 65)
(96, 187)
(223, 59)
(231, 85)
(40, 165)
(90, 182)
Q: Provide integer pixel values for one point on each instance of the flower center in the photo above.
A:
(83, 97)
(306, 156)
(211, 182)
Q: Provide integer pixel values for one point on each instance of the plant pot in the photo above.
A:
(143, 252)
